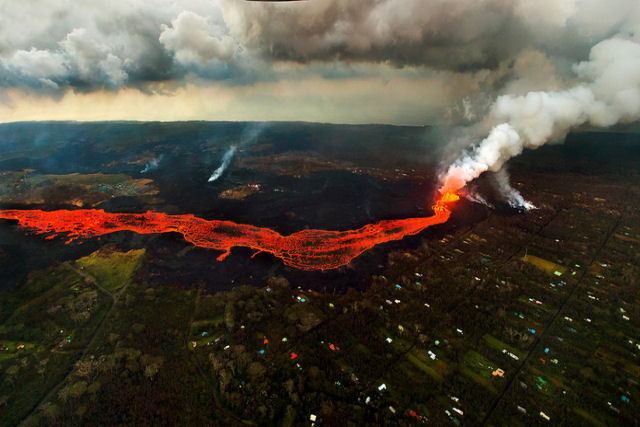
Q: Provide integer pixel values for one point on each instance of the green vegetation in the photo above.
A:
(496, 344)
(420, 362)
(84, 190)
(110, 268)
(544, 265)
(53, 315)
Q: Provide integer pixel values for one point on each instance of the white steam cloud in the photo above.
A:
(512, 196)
(226, 159)
(153, 164)
(610, 94)
(249, 136)
(478, 198)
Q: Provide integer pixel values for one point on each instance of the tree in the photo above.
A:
(256, 371)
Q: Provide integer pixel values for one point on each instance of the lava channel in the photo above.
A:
(305, 250)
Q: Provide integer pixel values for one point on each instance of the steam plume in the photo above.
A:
(153, 164)
(226, 159)
(249, 136)
(477, 198)
(512, 196)
(610, 94)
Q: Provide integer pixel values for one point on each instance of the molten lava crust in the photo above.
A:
(305, 250)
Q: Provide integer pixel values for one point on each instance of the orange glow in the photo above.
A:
(305, 250)
(448, 198)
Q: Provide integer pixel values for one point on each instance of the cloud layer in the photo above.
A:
(194, 40)
(52, 47)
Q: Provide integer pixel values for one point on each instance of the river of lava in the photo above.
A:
(306, 249)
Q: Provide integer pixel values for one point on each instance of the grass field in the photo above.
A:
(543, 264)
(12, 349)
(434, 372)
(110, 268)
(495, 343)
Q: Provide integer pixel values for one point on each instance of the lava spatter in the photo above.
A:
(305, 250)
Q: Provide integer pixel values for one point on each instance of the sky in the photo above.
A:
(417, 62)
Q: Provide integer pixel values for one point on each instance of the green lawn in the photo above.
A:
(495, 343)
(110, 268)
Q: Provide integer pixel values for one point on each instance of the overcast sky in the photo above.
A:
(342, 61)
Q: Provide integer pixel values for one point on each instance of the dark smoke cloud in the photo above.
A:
(448, 34)
(457, 35)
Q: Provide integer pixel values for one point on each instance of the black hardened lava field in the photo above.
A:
(352, 290)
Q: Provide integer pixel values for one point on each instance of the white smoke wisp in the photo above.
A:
(226, 159)
(512, 196)
(249, 136)
(477, 198)
(153, 164)
(610, 94)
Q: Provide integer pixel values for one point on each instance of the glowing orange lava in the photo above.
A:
(306, 249)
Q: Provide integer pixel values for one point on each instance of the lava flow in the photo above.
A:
(306, 249)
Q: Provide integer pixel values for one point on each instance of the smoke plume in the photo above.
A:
(478, 198)
(226, 159)
(249, 136)
(153, 164)
(511, 195)
(609, 94)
